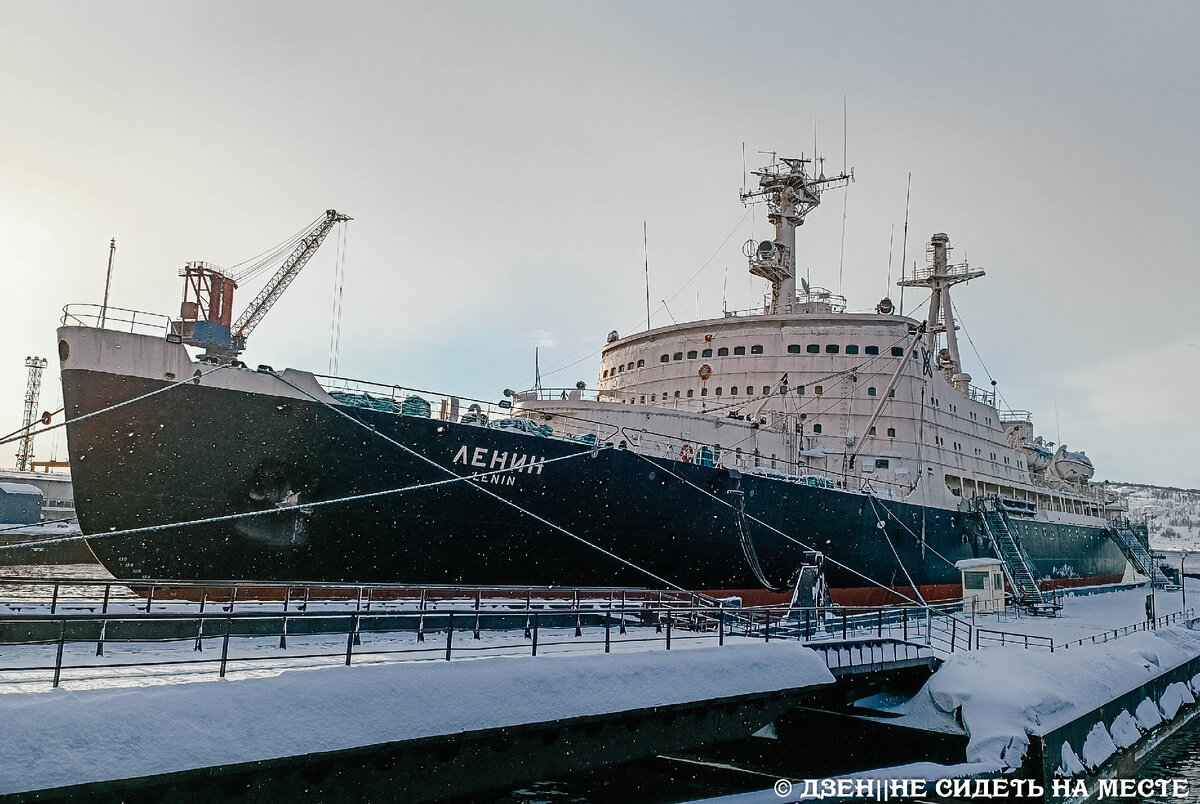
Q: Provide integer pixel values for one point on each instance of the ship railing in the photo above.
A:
(984, 395)
(572, 394)
(191, 643)
(985, 637)
(119, 319)
(440, 403)
(1015, 416)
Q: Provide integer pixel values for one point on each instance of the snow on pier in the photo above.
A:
(59, 738)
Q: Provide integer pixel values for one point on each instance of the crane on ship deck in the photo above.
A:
(206, 315)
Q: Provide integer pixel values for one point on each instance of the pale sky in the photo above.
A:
(499, 159)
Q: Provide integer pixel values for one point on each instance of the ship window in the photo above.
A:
(819, 389)
(733, 390)
(756, 350)
(800, 390)
(794, 349)
(723, 352)
(891, 393)
(706, 353)
(773, 460)
(664, 358)
(739, 350)
(641, 363)
(689, 393)
(881, 463)
(677, 356)
(630, 366)
(899, 352)
(871, 432)
(816, 428)
(851, 349)
(692, 355)
(812, 349)
(621, 369)
(676, 394)
(831, 348)
(718, 390)
(871, 391)
(871, 350)
(652, 398)
(891, 432)
(766, 390)
(605, 374)
(643, 399)
(703, 392)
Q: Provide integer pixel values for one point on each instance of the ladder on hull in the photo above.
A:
(1017, 564)
(1138, 553)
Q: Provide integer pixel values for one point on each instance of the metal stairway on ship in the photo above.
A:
(1017, 565)
(1138, 553)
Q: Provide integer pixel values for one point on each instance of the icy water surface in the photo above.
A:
(1178, 759)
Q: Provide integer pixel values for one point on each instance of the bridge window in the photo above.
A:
(881, 463)
(898, 351)
(692, 355)
(739, 350)
(718, 390)
(766, 390)
(630, 366)
(813, 349)
(818, 389)
(664, 359)
(677, 356)
(851, 349)
(689, 393)
(621, 369)
(816, 428)
(641, 363)
(800, 390)
(756, 350)
(871, 432)
(871, 350)
(723, 352)
(871, 391)
(794, 349)
(891, 431)
(832, 348)
(677, 394)
(703, 392)
(706, 353)
(733, 390)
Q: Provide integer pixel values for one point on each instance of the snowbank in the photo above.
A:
(61, 738)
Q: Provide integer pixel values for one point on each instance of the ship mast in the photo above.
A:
(790, 194)
(939, 276)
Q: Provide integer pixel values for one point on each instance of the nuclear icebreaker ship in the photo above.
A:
(718, 455)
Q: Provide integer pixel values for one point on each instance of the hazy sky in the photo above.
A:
(499, 160)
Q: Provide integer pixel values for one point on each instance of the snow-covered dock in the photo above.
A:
(413, 730)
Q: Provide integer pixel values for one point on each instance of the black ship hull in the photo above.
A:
(199, 452)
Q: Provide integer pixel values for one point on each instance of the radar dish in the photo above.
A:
(804, 284)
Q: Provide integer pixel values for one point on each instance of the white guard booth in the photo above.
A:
(982, 584)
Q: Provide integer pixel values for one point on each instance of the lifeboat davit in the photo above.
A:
(1037, 455)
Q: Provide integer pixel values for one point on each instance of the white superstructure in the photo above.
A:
(870, 402)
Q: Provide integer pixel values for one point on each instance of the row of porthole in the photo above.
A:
(766, 390)
(794, 349)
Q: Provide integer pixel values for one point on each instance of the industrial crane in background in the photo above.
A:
(33, 390)
(206, 315)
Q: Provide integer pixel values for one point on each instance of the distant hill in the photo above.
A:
(1172, 514)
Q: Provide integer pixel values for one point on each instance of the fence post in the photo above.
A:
(537, 622)
(879, 623)
(225, 646)
(100, 644)
(607, 633)
(953, 632)
(107, 589)
(668, 629)
(478, 601)
(54, 601)
(807, 624)
(843, 625)
(767, 625)
(203, 597)
(449, 634)
(62, 637)
(283, 634)
(150, 598)
(721, 628)
(904, 620)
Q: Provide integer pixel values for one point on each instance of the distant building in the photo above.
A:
(58, 500)
(20, 504)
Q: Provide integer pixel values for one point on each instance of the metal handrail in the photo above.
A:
(94, 315)
(1041, 641)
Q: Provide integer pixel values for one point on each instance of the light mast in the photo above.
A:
(939, 277)
(790, 194)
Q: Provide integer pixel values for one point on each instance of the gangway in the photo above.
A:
(1017, 565)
